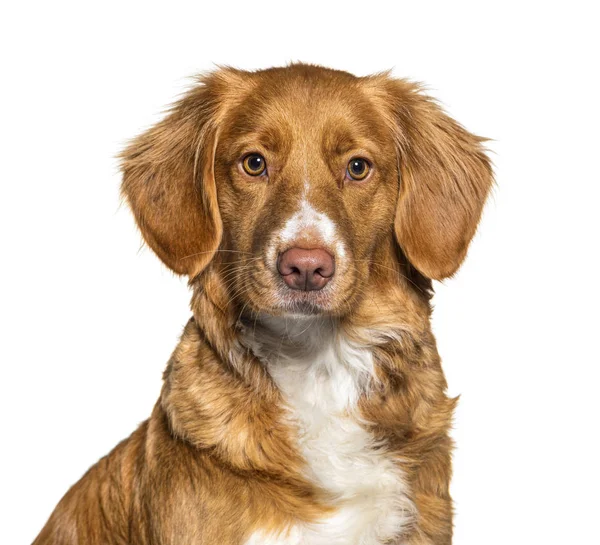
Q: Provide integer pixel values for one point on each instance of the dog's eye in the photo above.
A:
(358, 168)
(254, 164)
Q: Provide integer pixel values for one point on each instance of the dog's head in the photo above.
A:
(297, 181)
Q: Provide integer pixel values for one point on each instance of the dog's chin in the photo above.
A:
(304, 303)
(287, 302)
(303, 308)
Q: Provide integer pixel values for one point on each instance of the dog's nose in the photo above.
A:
(306, 270)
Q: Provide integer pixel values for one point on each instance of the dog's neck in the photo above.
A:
(311, 359)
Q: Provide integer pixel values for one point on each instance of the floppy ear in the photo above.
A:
(445, 179)
(169, 183)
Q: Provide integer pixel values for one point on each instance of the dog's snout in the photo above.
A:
(306, 270)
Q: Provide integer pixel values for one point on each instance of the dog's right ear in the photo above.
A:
(168, 176)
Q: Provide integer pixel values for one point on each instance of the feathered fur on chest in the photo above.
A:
(322, 375)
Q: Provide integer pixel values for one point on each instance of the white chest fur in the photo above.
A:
(322, 375)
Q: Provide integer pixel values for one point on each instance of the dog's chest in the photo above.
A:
(321, 389)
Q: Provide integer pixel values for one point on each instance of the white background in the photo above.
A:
(88, 320)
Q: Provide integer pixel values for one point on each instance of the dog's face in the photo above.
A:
(298, 177)
(307, 186)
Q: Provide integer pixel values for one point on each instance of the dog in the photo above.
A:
(305, 403)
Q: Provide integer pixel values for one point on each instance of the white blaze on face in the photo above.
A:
(308, 219)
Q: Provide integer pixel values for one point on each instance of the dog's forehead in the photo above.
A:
(320, 111)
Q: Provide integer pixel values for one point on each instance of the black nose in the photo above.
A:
(306, 270)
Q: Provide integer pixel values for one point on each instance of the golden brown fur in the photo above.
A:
(218, 459)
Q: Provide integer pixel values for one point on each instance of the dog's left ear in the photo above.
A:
(168, 176)
(445, 180)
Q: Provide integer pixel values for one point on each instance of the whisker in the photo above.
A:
(213, 251)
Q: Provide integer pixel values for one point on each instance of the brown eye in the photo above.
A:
(254, 164)
(358, 168)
